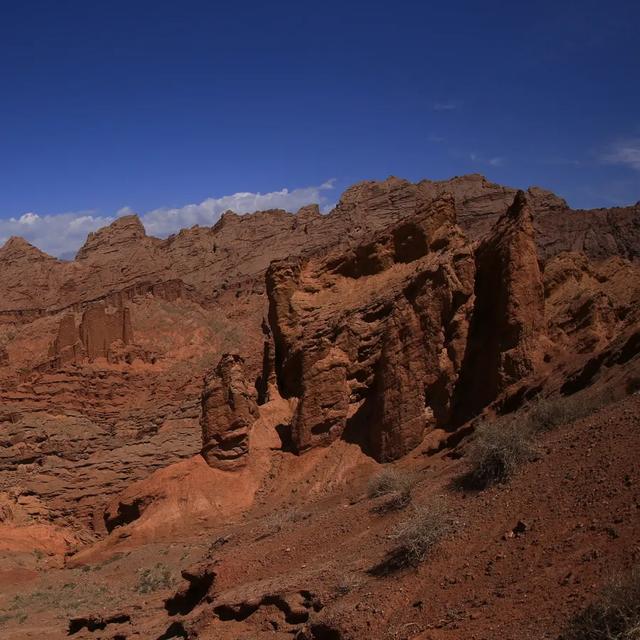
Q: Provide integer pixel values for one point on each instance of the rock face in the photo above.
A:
(374, 315)
(228, 410)
(371, 340)
(508, 318)
(415, 329)
(99, 329)
(124, 234)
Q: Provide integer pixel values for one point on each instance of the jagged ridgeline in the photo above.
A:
(151, 388)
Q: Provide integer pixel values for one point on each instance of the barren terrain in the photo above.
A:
(192, 429)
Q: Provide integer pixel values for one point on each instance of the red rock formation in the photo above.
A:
(66, 347)
(213, 260)
(369, 310)
(508, 316)
(371, 340)
(100, 328)
(124, 233)
(228, 410)
(323, 408)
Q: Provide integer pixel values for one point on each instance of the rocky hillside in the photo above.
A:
(163, 391)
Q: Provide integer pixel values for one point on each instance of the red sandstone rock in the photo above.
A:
(385, 323)
(371, 340)
(508, 316)
(228, 410)
(100, 328)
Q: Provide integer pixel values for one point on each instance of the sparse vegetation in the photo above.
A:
(66, 600)
(396, 484)
(499, 447)
(348, 583)
(496, 452)
(276, 521)
(5, 618)
(415, 536)
(154, 579)
(547, 413)
(616, 616)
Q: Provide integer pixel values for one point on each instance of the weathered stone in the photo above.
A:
(371, 339)
(229, 409)
(508, 316)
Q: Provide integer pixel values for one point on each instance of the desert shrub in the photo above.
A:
(616, 616)
(154, 579)
(276, 521)
(496, 452)
(548, 413)
(396, 484)
(415, 536)
(348, 583)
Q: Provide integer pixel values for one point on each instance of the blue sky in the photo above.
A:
(150, 106)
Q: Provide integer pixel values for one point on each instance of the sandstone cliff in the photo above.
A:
(375, 313)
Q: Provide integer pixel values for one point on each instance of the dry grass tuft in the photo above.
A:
(616, 616)
(416, 536)
(396, 484)
(496, 452)
(154, 579)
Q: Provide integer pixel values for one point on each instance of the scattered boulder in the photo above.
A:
(199, 579)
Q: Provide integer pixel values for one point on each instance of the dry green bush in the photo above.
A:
(396, 484)
(616, 616)
(496, 452)
(415, 536)
(154, 579)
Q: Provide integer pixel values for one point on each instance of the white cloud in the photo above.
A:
(626, 153)
(163, 222)
(29, 218)
(63, 234)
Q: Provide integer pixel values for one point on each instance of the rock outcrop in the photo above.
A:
(371, 340)
(93, 338)
(508, 316)
(413, 330)
(228, 410)
(100, 328)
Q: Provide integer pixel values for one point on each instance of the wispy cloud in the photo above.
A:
(625, 153)
(480, 159)
(62, 234)
(446, 105)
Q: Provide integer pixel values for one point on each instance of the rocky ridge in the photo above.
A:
(400, 315)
